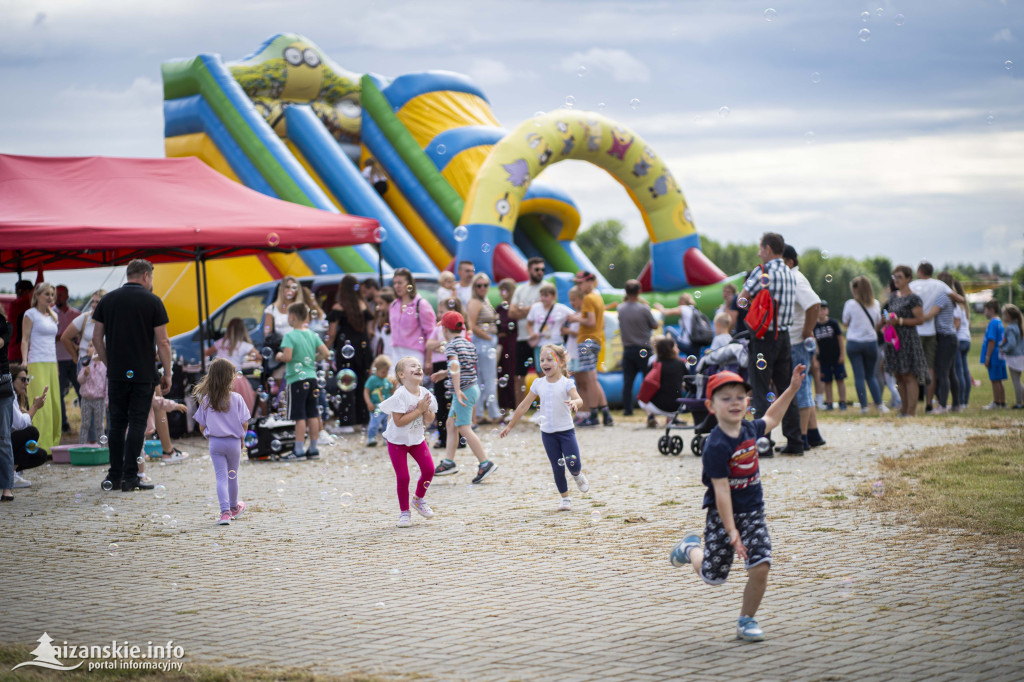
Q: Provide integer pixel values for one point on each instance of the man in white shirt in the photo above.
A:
(930, 290)
(525, 296)
(464, 287)
(802, 346)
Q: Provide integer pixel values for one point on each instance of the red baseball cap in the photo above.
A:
(724, 379)
(585, 276)
(453, 321)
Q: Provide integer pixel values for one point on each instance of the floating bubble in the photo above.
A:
(864, 34)
(347, 380)
(691, 360)
(345, 499)
(815, 77)
(31, 447)
(503, 381)
(461, 233)
(809, 344)
(865, 17)
(770, 397)
(492, 353)
(741, 302)
(643, 352)
(166, 519)
(140, 459)
(323, 268)
(485, 247)
(634, 104)
(601, 106)
(347, 351)
(990, 119)
(380, 605)
(112, 549)
(899, 19)
(611, 266)
(595, 516)
(770, 14)
(570, 101)
(561, 461)
(828, 278)
(723, 112)
(825, 254)
(809, 137)
(765, 280)
(760, 356)
(761, 363)
(697, 294)
(752, 410)
(441, 149)
(275, 445)
(129, 374)
(78, 498)
(1008, 65)
(160, 492)
(581, 71)
(273, 239)
(107, 485)
(267, 353)
(763, 445)
(232, 474)
(880, 12)
(380, 235)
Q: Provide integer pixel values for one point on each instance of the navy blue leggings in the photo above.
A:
(558, 446)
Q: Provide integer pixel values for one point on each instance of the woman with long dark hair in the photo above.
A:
(907, 363)
(349, 337)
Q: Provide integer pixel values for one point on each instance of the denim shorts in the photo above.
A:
(463, 414)
(805, 396)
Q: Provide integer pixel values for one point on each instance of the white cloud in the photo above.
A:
(619, 64)
(1003, 36)
(490, 72)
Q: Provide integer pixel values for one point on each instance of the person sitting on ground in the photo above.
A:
(28, 454)
(665, 402)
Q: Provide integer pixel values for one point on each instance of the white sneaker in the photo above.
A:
(144, 478)
(20, 482)
(882, 409)
(346, 429)
(939, 409)
(863, 410)
(581, 482)
(175, 458)
(992, 406)
(422, 508)
(565, 504)
(404, 520)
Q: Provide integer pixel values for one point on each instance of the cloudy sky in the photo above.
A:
(893, 128)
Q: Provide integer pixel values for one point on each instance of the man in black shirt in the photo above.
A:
(130, 322)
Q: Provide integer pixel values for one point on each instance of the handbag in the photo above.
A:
(880, 337)
(533, 344)
(651, 384)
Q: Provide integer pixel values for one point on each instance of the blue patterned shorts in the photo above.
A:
(718, 551)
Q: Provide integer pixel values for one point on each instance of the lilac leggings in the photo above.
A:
(400, 461)
(226, 453)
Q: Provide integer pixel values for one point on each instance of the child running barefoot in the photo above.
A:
(559, 401)
(465, 392)
(410, 407)
(223, 416)
(735, 518)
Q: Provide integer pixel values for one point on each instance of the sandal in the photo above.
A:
(6, 498)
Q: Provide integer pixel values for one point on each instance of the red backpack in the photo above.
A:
(762, 313)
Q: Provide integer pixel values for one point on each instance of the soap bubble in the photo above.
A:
(752, 410)
(815, 77)
(347, 380)
(441, 149)
(899, 19)
(31, 447)
(865, 17)
(275, 445)
(763, 445)
(267, 353)
(595, 516)
(107, 485)
(581, 71)
(1008, 65)
(503, 381)
(809, 345)
(273, 239)
(761, 363)
(825, 254)
(380, 235)
(877, 488)
(770, 14)
(723, 113)
(765, 280)
(691, 360)
(643, 352)
(160, 492)
(828, 278)
(770, 397)
(251, 439)
(492, 353)
(345, 499)
(864, 34)
(741, 302)
(809, 137)
(561, 461)
(697, 294)
(601, 106)
(323, 268)
(570, 101)
(347, 351)
(129, 374)
(880, 12)
(634, 104)
(461, 233)
(760, 356)
(112, 549)
(232, 475)
(485, 247)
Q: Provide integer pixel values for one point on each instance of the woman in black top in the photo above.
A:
(665, 401)
(349, 336)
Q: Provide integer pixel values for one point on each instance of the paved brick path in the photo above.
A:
(501, 586)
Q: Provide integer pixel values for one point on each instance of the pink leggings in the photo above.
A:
(399, 459)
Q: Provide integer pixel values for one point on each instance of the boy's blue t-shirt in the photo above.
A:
(735, 459)
(993, 334)
(303, 363)
(380, 389)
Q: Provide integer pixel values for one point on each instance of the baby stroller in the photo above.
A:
(732, 357)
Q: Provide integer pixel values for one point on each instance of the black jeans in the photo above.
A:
(23, 459)
(946, 348)
(442, 404)
(67, 373)
(130, 403)
(632, 364)
(778, 371)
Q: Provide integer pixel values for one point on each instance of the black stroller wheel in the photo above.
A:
(664, 447)
(676, 445)
(697, 446)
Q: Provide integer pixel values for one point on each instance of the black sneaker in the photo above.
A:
(606, 418)
(589, 421)
(292, 457)
(484, 471)
(791, 449)
(315, 454)
(130, 484)
(816, 443)
(445, 467)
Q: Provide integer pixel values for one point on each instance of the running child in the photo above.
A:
(378, 389)
(463, 391)
(302, 349)
(410, 408)
(735, 517)
(223, 416)
(559, 402)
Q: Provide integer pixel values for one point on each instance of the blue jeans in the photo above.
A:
(6, 451)
(805, 396)
(963, 373)
(378, 422)
(863, 357)
(487, 376)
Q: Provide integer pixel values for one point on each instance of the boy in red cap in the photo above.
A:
(462, 390)
(735, 519)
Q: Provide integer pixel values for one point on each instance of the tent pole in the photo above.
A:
(202, 318)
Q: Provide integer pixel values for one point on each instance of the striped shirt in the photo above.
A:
(944, 320)
(465, 353)
(781, 286)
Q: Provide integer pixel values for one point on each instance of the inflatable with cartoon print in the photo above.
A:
(289, 122)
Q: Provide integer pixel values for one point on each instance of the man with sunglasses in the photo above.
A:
(525, 296)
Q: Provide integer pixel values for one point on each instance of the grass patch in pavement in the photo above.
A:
(975, 485)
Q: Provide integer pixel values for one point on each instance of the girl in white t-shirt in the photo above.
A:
(410, 407)
(559, 401)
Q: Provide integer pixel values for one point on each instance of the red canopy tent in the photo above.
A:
(81, 212)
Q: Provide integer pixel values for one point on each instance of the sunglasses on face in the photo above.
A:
(482, 286)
